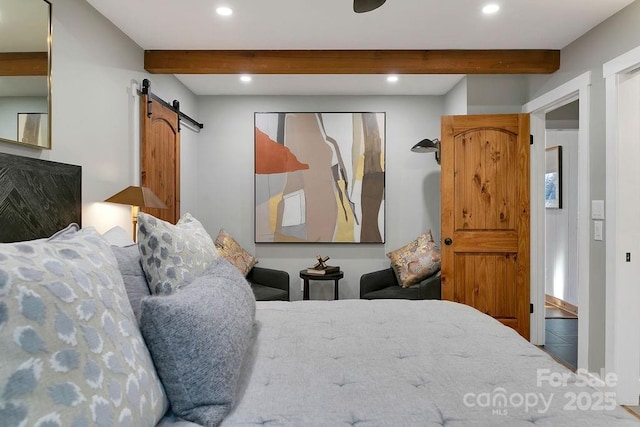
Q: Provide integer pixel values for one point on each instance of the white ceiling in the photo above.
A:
(332, 24)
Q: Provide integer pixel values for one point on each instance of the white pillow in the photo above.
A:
(117, 236)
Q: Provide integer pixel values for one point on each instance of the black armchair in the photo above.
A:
(269, 284)
(384, 284)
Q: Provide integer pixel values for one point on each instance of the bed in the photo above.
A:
(91, 346)
(404, 363)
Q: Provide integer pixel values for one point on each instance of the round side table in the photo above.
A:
(331, 276)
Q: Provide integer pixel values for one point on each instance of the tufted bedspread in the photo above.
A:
(405, 363)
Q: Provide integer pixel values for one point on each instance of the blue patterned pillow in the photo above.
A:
(173, 255)
(71, 352)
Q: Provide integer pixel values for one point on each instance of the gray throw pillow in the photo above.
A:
(135, 282)
(197, 337)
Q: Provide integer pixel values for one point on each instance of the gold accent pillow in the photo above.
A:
(416, 260)
(231, 250)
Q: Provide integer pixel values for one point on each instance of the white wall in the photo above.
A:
(95, 115)
(613, 37)
(226, 180)
(623, 156)
(455, 101)
(561, 225)
(495, 94)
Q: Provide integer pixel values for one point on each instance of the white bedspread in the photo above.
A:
(405, 363)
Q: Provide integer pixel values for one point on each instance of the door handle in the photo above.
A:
(448, 241)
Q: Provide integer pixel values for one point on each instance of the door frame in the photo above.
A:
(621, 348)
(575, 89)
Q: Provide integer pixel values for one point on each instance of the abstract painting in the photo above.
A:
(319, 177)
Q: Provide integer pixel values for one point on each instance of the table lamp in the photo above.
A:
(137, 197)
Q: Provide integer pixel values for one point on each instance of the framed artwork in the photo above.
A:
(319, 177)
(33, 129)
(553, 178)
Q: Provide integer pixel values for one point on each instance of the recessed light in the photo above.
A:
(245, 78)
(392, 78)
(490, 9)
(224, 11)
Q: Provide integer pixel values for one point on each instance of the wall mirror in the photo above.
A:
(25, 72)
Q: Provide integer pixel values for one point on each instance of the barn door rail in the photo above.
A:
(174, 106)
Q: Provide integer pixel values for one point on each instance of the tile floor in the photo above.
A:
(561, 337)
(561, 340)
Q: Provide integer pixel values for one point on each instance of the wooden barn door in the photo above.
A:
(485, 215)
(160, 158)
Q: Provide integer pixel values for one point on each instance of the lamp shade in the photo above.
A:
(137, 196)
(426, 146)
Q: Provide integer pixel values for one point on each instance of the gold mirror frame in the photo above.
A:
(25, 72)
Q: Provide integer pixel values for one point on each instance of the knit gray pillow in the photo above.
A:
(173, 255)
(135, 282)
(197, 337)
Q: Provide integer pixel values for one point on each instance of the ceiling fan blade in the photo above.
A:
(361, 6)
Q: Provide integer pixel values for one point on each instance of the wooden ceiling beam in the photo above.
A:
(24, 64)
(352, 61)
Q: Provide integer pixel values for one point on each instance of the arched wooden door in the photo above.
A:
(160, 157)
(485, 215)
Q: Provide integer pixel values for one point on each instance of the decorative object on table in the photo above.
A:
(321, 267)
(321, 262)
(328, 270)
(38, 197)
(553, 178)
(137, 197)
(416, 260)
(428, 146)
(319, 177)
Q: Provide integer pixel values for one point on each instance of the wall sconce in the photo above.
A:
(428, 146)
(361, 6)
(137, 197)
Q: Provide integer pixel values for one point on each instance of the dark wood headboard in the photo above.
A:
(37, 197)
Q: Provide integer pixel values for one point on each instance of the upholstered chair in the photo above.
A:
(383, 284)
(269, 284)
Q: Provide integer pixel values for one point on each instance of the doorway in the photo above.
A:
(622, 79)
(576, 89)
(561, 228)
